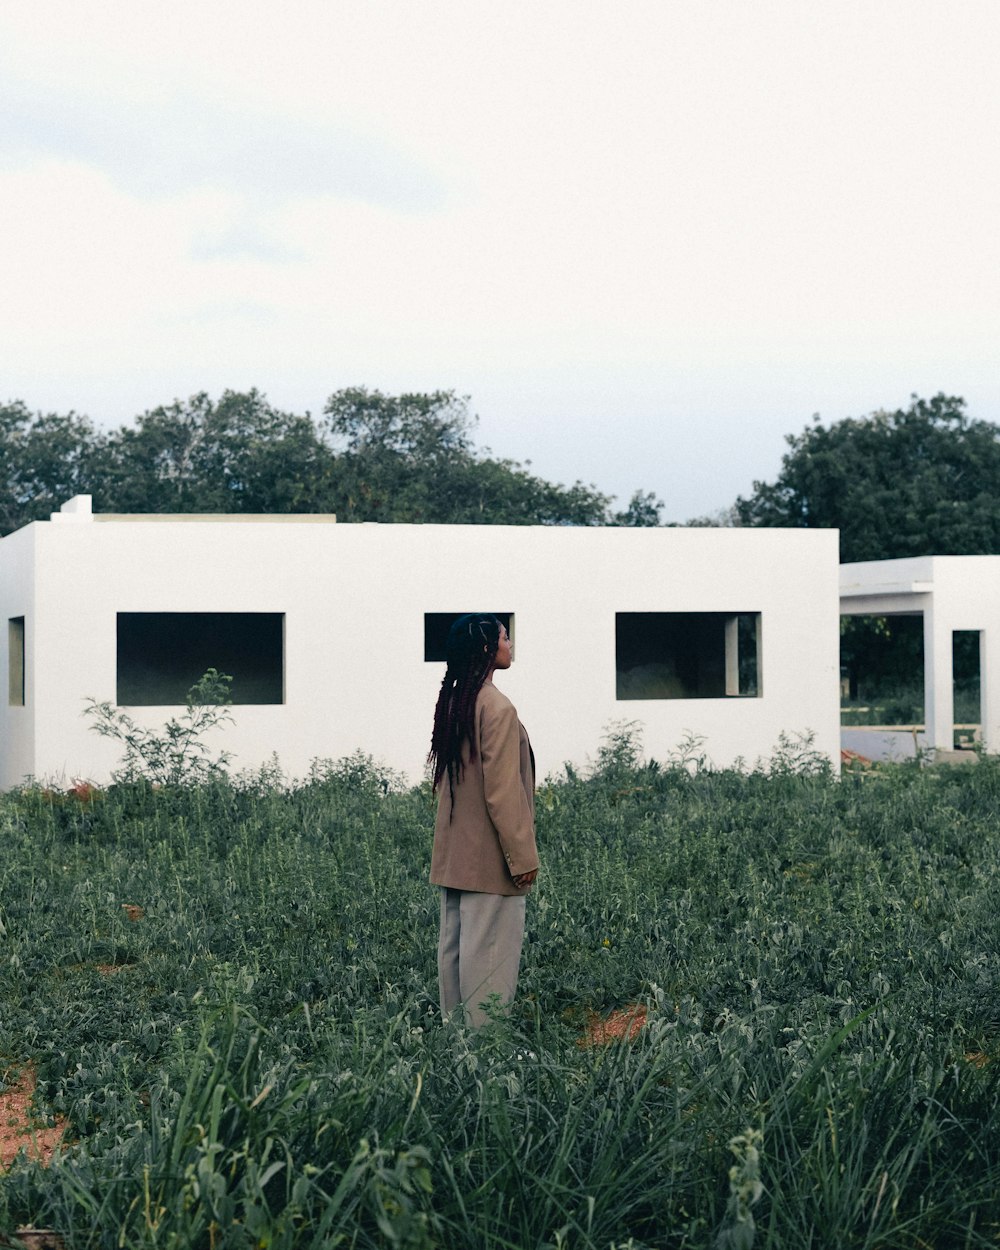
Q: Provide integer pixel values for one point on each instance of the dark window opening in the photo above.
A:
(965, 661)
(687, 655)
(15, 661)
(162, 654)
(437, 624)
(882, 670)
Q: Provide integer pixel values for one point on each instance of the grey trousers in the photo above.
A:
(479, 950)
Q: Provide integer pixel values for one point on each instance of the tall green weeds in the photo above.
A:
(257, 1059)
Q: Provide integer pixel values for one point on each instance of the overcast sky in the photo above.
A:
(648, 239)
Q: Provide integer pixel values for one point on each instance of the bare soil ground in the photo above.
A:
(624, 1022)
(20, 1128)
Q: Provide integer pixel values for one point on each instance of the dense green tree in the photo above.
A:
(370, 457)
(239, 454)
(923, 480)
(643, 509)
(45, 458)
(412, 458)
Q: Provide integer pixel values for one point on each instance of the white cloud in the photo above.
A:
(615, 219)
(157, 149)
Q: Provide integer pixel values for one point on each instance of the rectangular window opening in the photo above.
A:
(688, 655)
(15, 661)
(882, 670)
(162, 654)
(437, 625)
(965, 668)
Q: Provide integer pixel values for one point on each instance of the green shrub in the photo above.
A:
(176, 755)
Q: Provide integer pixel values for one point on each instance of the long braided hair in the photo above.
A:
(472, 647)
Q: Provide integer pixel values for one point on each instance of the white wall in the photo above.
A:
(967, 597)
(354, 598)
(17, 598)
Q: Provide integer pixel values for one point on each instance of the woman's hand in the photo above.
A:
(525, 879)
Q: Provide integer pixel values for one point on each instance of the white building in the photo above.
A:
(952, 594)
(333, 634)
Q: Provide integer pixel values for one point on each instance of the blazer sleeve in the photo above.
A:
(506, 801)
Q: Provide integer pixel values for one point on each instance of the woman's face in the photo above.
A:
(503, 650)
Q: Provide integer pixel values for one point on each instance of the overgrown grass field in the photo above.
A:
(256, 1059)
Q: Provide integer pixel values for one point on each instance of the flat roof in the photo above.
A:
(299, 518)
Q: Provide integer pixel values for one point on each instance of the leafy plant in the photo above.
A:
(177, 754)
(359, 772)
(620, 749)
(745, 1190)
(796, 753)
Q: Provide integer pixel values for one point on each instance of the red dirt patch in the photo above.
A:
(624, 1022)
(19, 1127)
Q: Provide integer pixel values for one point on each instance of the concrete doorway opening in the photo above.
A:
(966, 662)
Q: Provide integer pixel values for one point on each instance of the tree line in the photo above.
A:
(916, 481)
(368, 457)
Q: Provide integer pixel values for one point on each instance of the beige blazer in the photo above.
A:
(488, 838)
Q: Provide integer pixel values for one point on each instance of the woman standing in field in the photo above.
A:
(484, 855)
